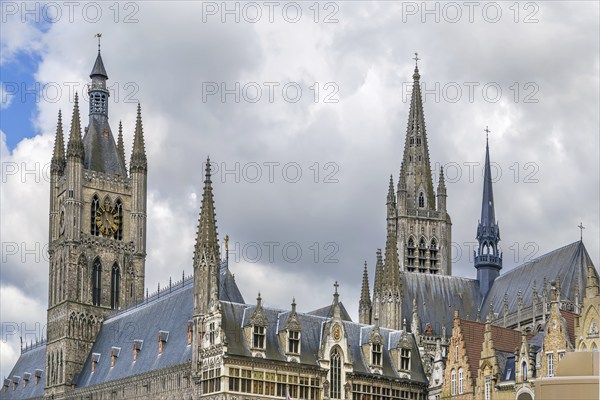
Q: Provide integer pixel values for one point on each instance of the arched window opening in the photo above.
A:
(335, 375)
(453, 382)
(594, 347)
(433, 260)
(411, 254)
(115, 284)
(524, 371)
(460, 381)
(119, 220)
(422, 250)
(421, 200)
(94, 230)
(96, 282)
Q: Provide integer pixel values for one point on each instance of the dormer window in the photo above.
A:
(26, 378)
(6, 384)
(114, 354)
(294, 342)
(137, 347)
(95, 360)
(37, 375)
(405, 359)
(376, 354)
(258, 337)
(189, 331)
(163, 336)
(16, 380)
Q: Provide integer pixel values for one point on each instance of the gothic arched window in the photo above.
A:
(119, 211)
(433, 250)
(335, 375)
(524, 371)
(460, 381)
(421, 200)
(94, 230)
(411, 254)
(96, 282)
(422, 249)
(115, 284)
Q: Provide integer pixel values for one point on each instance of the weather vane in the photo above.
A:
(416, 59)
(98, 35)
(581, 228)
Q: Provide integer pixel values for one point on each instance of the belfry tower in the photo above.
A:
(97, 232)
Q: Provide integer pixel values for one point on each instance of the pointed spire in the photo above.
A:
(138, 160)
(365, 296)
(488, 215)
(75, 144)
(207, 244)
(391, 197)
(121, 145)
(98, 69)
(58, 154)
(378, 284)
(392, 265)
(416, 176)
(293, 322)
(441, 182)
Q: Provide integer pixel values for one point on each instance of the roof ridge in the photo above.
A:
(534, 260)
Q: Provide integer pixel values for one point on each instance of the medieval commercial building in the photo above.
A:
(420, 333)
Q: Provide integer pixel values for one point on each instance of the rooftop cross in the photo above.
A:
(98, 35)
(581, 228)
(487, 132)
(416, 59)
(336, 286)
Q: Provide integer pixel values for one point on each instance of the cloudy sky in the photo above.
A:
(303, 110)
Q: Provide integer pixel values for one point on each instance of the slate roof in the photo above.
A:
(98, 69)
(28, 362)
(236, 316)
(100, 152)
(569, 263)
(327, 311)
(437, 297)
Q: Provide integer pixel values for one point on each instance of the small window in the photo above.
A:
(376, 356)
(211, 333)
(405, 359)
(524, 371)
(421, 200)
(259, 337)
(294, 342)
(488, 387)
(550, 359)
(97, 282)
(460, 381)
(453, 382)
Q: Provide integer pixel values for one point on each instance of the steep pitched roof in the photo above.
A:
(568, 263)
(28, 362)
(437, 297)
(505, 340)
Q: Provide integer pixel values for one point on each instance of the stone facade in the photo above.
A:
(587, 325)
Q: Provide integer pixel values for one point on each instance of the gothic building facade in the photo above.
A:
(197, 338)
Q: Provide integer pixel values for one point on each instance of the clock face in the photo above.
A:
(61, 220)
(107, 219)
(337, 332)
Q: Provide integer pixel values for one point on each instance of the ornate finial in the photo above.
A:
(487, 132)
(581, 228)
(98, 35)
(416, 58)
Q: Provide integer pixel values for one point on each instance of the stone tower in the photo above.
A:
(488, 258)
(424, 228)
(207, 267)
(97, 232)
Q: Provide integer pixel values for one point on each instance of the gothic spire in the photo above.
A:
(75, 144)
(364, 305)
(416, 168)
(392, 266)
(391, 197)
(207, 242)
(98, 70)
(488, 216)
(488, 259)
(58, 154)
(138, 154)
(120, 145)
(377, 284)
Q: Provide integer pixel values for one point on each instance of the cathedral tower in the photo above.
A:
(423, 227)
(97, 232)
(488, 259)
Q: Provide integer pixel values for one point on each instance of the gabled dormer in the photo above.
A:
(402, 353)
(256, 330)
(290, 336)
(373, 349)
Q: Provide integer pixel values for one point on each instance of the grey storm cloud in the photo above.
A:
(544, 135)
